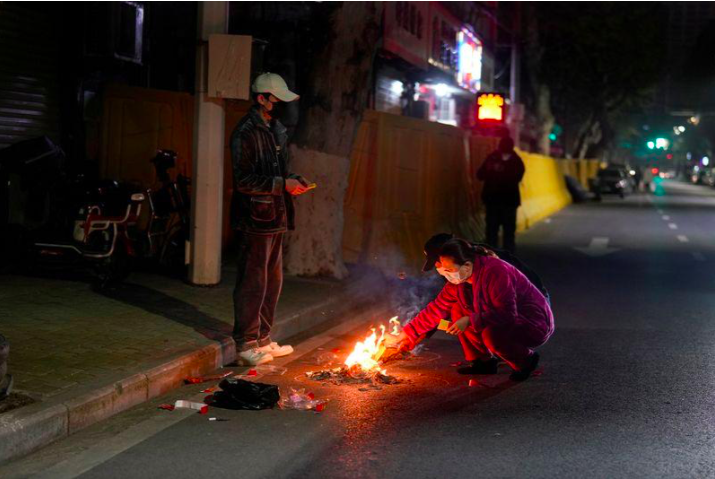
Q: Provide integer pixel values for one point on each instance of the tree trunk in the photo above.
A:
(332, 108)
(534, 53)
(583, 139)
(590, 137)
(545, 119)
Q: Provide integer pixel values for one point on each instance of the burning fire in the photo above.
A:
(363, 364)
(396, 326)
(366, 354)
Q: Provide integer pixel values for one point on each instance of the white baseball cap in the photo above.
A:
(275, 85)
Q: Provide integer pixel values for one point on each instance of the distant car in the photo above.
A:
(702, 176)
(612, 180)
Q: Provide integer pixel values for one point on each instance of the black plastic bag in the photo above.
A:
(240, 394)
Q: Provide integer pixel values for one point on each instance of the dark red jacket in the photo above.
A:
(501, 296)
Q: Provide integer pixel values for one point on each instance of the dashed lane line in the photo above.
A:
(666, 218)
(683, 239)
(672, 226)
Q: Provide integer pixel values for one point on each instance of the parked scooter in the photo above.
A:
(65, 222)
(167, 231)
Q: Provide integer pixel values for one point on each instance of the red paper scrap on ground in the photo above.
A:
(473, 382)
(336, 350)
(203, 379)
(167, 407)
(252, 372)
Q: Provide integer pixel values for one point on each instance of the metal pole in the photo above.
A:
(514, 76)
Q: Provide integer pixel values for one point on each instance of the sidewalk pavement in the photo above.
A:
(84, 356)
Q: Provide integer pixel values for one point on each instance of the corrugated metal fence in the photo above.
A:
(29, 91)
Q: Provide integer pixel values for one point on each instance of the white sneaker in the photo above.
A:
(254, 357)
(277, 351)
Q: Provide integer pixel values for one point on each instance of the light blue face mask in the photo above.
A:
(458, 277)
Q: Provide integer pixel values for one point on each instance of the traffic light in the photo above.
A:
(658, 144)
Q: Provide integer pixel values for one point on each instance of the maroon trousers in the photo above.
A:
(513, 343)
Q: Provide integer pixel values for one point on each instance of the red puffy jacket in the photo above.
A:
(502, 295)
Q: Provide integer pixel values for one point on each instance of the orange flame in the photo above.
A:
(396, 326)
(366, 354)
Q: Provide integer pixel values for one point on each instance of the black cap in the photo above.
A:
(432, 247)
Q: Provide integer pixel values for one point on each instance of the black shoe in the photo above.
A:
(488, 366)
(524, 374)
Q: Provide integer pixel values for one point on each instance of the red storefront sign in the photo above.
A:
(490, 108)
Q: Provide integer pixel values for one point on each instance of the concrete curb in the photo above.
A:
(31, 427)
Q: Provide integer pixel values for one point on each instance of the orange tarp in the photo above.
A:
(138, 121)
(410, 179)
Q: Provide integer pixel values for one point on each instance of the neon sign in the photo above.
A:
(490, 107)
(469, 64)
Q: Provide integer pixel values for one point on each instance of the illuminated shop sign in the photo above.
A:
(469, 64)
(490, 107)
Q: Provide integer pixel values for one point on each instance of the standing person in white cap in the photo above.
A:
(261, 212)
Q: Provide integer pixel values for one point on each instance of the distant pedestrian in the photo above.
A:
(262, 211)
(637, 173)
(501, 172)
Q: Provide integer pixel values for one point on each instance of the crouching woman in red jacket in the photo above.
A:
(505, 316)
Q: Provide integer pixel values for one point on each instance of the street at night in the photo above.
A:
(625, 389)
(429, 239)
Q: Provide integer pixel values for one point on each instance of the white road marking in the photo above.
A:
(672, 226)
(599, 242)
(597, 247)
(666, 218)
(683, 238)
(698, 256)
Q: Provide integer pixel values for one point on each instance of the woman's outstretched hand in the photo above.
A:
(402, 342)
(458, 326)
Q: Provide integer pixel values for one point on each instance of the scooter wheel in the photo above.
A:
(172, 255)
(113, 270)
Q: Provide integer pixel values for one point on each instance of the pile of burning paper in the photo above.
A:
(364, 364)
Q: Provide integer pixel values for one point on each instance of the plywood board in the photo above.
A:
(229, 66)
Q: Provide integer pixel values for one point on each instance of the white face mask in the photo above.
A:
(458, 277)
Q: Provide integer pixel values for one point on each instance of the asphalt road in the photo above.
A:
(626, 386)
